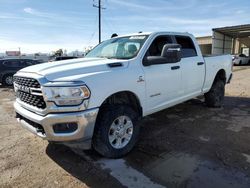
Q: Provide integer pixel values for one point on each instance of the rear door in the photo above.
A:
(192, 67)
(163, 81)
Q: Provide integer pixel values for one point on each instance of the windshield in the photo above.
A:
(119, 48)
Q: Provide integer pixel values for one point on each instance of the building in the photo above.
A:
(227, 40)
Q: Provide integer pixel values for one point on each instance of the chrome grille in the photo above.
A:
(31, 99)
(28, 82)
(28, 90)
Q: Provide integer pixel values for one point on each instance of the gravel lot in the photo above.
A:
(188, 145)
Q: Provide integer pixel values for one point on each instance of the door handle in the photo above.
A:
(175, 67)
(200, 63)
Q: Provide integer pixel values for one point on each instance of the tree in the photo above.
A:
(58, 53)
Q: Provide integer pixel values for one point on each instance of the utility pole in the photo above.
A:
(99, 6)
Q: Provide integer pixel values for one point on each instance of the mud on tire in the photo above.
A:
(101, 139)
(215, 97)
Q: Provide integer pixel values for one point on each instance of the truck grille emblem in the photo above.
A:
(21, 88)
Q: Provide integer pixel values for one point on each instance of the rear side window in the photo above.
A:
(187, 46)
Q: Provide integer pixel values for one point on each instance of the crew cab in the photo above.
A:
(98, 100)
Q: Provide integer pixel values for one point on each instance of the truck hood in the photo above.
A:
(73, 68)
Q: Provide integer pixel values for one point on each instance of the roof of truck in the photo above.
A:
(151, 33)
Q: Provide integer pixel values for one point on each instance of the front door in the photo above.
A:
(163, 81)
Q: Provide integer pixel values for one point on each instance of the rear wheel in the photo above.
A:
(7, 80)
(116, 131)
(215, 97)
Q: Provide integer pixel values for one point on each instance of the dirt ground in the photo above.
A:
(188, 145)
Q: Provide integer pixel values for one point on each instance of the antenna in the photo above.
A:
(99, 6)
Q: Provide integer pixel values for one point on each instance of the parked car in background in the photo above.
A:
(60, 58)
(241, 59)
(8, 67)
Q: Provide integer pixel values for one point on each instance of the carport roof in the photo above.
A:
(239, 31)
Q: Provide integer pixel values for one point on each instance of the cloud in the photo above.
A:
(130, 4)
(156, 5)
(38, 13)
(6, 16)
(29, 10)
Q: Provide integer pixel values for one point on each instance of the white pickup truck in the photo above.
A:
(97, 100)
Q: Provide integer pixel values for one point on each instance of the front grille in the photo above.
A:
(30, 99)
(28, 82)
(27, 96)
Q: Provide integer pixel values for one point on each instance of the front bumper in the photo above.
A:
(84, 119)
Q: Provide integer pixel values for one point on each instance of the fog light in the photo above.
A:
(65, 127)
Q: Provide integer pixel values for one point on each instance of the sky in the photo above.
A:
(47, 25)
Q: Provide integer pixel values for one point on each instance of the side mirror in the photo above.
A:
(154, 60)
(172, 53)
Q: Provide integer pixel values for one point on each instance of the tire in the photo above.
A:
(7, 80)
(108, 140)
(215, 97)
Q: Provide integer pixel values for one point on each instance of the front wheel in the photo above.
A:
(215, 97)
(116, 131)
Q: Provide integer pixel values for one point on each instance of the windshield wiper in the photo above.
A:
(102, 57)
(110, 57)
(107, 57)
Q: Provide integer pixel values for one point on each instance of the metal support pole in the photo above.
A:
(99, 9)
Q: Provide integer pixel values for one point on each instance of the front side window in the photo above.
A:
(156, 47)
(119, 48)
(187, 46)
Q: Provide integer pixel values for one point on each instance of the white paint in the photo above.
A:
(127, 175)
(168, 87)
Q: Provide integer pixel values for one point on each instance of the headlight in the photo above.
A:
(66, 96)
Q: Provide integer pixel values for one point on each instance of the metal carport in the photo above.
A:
(231, 40)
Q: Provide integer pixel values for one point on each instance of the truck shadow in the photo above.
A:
(190, 133)
(84, 170)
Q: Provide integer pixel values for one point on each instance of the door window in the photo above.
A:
(157, 45)
(187, 46)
